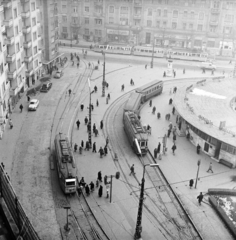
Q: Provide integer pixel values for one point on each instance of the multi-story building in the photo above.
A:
(195, 25)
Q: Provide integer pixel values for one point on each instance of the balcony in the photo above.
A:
(11, 58)
(28, 59)
(6, 3)
(8, 23)
(11, 75)
(3, 28)
(27, 44)
(26, 29)
(9, 40)
(215, 10)
(25, 14)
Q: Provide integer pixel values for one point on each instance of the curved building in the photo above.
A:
(206, 114)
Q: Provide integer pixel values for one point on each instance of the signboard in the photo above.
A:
(117, 32)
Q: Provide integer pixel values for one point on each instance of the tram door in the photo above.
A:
(217, 151)
(206, 147)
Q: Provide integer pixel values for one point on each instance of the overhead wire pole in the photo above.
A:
(90, 116)
(152, 53)
(103, 80)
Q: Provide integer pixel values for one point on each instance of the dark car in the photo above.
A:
(46, 86)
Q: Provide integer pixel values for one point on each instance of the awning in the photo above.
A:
(48, 62)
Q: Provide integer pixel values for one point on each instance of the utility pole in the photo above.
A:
(198, 166)
(152, 53)
(103, 80)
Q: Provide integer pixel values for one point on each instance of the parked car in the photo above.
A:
(58, 74)
(46, 86)
(208, 66)
(34, 103)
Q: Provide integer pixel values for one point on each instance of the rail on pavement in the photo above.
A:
(26, 230)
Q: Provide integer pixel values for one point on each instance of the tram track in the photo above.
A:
(180, 227)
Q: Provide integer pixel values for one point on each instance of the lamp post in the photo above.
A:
(90, 116)
(152, 53)
(138, 229)
(67, 228)
(198, 166)
(103, 79)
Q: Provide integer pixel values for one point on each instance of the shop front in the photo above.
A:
(118, 36)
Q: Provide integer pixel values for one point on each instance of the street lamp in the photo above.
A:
(198, 166)
(67, 228)
(90, 117)
(103, 80)
(138, 229)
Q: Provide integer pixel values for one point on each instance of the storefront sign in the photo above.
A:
(117, 32)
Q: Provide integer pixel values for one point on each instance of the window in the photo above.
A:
(34, 21)
(74, 20)
(18, 63)
(199, 27)
(16, 30)
(165, 13)
(158, 12)
(190, 26)
(164, 23)
(86, 20)
(64, 29)
(229, 18)
(149, 23)
(192, 15)
(75, 9)
(32, 6)
(124, 21)
(158, 24)
(63, 8)
(17, 47)
(216, 4)
(174, 25)
(185, 15)
(111, 9)
(86, 9)
(124, 10)
(175, 14)
(184, 26)
(36, 63)
(98, 21)
(201, 16)
(98, 32)
(86, 31)
(149, 12)
(15, 13)
(34, 36)
(111, 20)
(35, 50)
(64, 19)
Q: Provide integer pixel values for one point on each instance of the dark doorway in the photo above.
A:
(217, 151)
(206, 147)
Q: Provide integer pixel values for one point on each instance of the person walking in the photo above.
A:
(95, 88)
(132, 170)
(108, 95)
(200, 198)
(28, 98)
(122, 87)
(210, 168)
(101, 124)
(100, 176)
(146, 66)
(198, 149)
(82, 106)
(87, 146)
(159, 148)
(153, 110)
(94, 147)
(21, 108)
(168, 132)
(191, 182)
(86, 120)
(94, 127)
(10, 124)
(170, 101)
(78, 123)
(107, 141)
(174, 138)
(150, 103)
(87, 190)
(75, 147)
(173, 110)
(97, 103)
(100, 190)
(155, 152)
(82, 144)
(173, 149)
(101, 152)
(91, 186)
(107, 100)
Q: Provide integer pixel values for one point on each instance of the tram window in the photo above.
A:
(142, 144)
(224, 146)
(213, 141)
(155, 51)
(230, 149)
(142, 50)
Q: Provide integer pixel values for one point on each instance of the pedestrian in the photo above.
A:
(100, 191)
(173, 149)
(107, 100)
(107, 85)
(78, 123)
(101, 124)
(98, 62)
(210, 168)
(174, 73)
(184, 71)
(86, 120)
(122, 87)
(198, 149)
(175, 90)
(170, 101)
(200, 198)
(100, 176)
(96, 132)
(158, 148)
(92, 107)
(107, 189)
(158, 115)
(28, 98)
(131, 81)
(168, 132)
(82, 182)
(89, 64)
(94, 127)
(146, 66)
(108, 95)
(78, 65)
(87, 190)
(105, 150)
(82, 144)
(81, 106)
(21, 108)
(91, 186)
(174, 130)
(95, 88)
(174, 138)
(150, 103)
(132, 170)
(173, 110)
(191, 182)
(87, 146)
(94, 147)
(97, 103)
(155, 152)
(79, 190)
(75, 147)
(153, 110)
(101, 152)
(107, 141)
(170, 126)
(10, 124)
(164, 74)
(69, 92)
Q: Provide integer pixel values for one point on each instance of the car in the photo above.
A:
(34, 103)
(208, 65)
(58, 74)
(45, 87)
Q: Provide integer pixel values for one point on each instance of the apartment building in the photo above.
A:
(197, 25)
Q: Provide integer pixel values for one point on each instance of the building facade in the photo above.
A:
(195, 25)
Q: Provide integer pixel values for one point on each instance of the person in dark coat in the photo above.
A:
(155, 153)
(158, 148)
(94, 147)
(94, 127)
(107, 141)
(191, 182)
(173, 110)
(86, 120)
(87, 146)
(100, 190)
(101, 152)
(150, 103)
(164, 74)
(95, 88)
(28, 98)
(75, 147)
(105, 150)
(100, 176)
(97, 103)
(200, 198)
(168, 133)
(96, 132)
(82, 144)
(91, 186)
(78, 123)
(87, 190)
(101, 124)
(170, 101)
(108, 95)
(82, 182)
(198, 149)
(21, 108)
(82, 106)
(173, 149)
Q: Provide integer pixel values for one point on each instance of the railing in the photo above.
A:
(26, 230)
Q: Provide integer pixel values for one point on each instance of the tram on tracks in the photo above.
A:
(66, 168)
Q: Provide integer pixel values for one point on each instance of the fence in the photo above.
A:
(26, 230)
